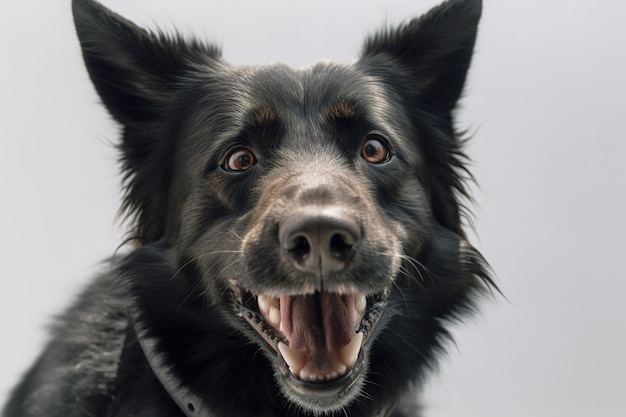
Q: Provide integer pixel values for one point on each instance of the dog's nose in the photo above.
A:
(319, 239)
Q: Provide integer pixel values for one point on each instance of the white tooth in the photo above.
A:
(360, 304)
(358, 309)
(264, 304)
(304, 374)
(350, 352)
(341, 369)
(295, 360)
(274, 317)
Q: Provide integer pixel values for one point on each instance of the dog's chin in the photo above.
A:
(322, 397)
(317, 342)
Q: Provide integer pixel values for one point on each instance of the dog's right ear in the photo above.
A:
(137, 73)
(132, 69)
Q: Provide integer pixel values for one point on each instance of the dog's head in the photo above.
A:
(318, 208)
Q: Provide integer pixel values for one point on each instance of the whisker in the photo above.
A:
(417, 266)
(204, 255)
(197, 285)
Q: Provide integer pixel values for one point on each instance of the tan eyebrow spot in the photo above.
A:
(265, 116)
(341, 110)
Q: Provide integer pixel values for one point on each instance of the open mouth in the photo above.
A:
(319, 336)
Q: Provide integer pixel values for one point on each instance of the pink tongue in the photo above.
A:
(318, 324)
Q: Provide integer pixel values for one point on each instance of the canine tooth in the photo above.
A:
(358, 309)
(360, 304)
(350, 352)
(264, 304)
(295, 360)
(274, 316)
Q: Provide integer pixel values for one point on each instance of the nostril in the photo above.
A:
(299, 248)
(341, 245)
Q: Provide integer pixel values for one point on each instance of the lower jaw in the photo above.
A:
(322, 397)
(323, 389)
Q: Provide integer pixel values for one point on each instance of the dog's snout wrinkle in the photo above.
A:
(319, 239)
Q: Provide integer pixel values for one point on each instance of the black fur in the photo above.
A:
(362, 157)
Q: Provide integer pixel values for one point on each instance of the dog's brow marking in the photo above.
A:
(265, 115)
(341, 110)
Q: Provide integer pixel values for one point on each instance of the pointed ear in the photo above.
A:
(133, 70)
(138, 74)
(436, 49)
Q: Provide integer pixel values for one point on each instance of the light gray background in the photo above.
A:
(546, 98)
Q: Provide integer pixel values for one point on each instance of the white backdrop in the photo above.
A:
(546, 97)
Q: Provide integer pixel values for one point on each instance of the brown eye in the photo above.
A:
(374, 151)
(240, 160)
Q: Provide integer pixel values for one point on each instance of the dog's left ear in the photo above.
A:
(436, 49)
(425, 62)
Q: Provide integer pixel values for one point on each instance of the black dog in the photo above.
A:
(299, 237)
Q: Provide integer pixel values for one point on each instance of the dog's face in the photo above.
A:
(300, 181)
(295, 187)
(312, 206)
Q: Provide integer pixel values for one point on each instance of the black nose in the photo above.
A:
(319, 239)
